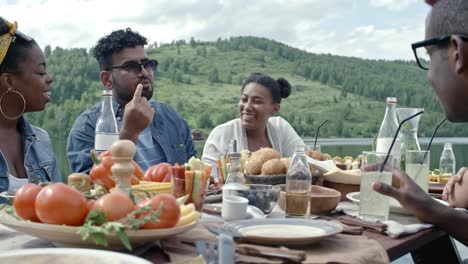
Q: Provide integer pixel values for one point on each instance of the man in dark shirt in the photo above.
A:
(446, 45)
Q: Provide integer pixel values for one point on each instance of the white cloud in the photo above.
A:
(378, 43)
(313, 25)
(393, 4)
(80, 23)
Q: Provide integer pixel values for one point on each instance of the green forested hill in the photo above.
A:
(202, 81)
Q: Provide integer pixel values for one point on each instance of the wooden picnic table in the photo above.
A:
(427, 246)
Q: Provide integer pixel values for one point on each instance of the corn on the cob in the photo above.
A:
(152, 188)
(188, 215)
(186, 209)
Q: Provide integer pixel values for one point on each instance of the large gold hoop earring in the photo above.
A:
(1, 103)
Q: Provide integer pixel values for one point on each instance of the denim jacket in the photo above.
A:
(39, 158)
(170, 135)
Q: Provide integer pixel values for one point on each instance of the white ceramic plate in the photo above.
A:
(344, 176)
(8, 196)
(395, 206)
(278, 231)
(67, 236)
(323, 166)
(68, 255)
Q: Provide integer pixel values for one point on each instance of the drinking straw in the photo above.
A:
(234, 145)
(430, 141)
(394, 137)
(317, 132)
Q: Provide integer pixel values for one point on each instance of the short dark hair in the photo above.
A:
(116, 42)
(17, 51)
(449, 17)
(280, 88)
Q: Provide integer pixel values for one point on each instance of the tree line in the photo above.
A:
(202, 80)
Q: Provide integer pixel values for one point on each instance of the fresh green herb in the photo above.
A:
(11, 211)
(97, 228)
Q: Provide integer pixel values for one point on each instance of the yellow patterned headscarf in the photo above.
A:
(5, 39)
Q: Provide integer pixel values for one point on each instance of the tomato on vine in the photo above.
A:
(170, 211)
(25, 200)
(60, 204)
(116, 205)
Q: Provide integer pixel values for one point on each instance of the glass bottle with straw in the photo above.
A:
(417, 163)
(387, 132)
(317, 147)
(374, 206)
(409, 133)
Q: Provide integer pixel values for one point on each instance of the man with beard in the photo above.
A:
(158, 131)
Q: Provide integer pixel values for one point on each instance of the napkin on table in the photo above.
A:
(397, 225)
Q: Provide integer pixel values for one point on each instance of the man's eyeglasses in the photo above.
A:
(419, 50)
(135, 66)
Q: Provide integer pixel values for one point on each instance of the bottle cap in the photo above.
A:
(391, 100)
(106, 93)
(300, 147)
(234, 155)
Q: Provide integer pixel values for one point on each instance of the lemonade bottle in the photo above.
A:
(387, 131)
(447, 163)
(298, 184)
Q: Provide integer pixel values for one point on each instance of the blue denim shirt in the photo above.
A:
(39, 158)
(168, 138)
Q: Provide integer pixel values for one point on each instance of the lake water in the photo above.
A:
(333, 146)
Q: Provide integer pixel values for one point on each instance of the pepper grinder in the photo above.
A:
(122, 152)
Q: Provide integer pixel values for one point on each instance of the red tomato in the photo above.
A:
(60, 204)
(90, 204)
(24, 202)
(161, 172)
(170, 212)
(101, 171)
(115, 205)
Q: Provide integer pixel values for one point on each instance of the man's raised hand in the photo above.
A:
(137, 116)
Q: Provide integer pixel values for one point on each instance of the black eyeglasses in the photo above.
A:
(135, 66)
(422, 58)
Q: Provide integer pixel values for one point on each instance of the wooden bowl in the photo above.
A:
(344, 181)
(322, 200)
(343, 188)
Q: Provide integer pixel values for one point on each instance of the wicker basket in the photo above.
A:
(266, 179)
(274, 179)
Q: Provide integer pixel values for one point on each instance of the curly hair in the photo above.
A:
(116, 42)
(280, 88)
(17, 51)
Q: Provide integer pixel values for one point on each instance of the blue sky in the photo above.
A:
(376, 29)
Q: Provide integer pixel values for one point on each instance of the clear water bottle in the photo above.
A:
(107, 130)
(298, 183)
(235, 178)
(447, 163)
(387, 131)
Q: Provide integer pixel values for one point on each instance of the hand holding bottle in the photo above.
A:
(137, 116)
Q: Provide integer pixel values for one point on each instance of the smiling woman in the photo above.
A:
(26, 153)
(257, 127)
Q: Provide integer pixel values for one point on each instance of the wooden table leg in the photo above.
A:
(441, 250)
